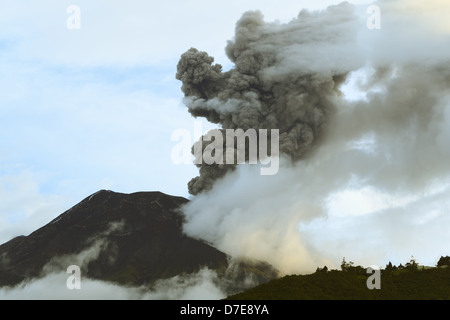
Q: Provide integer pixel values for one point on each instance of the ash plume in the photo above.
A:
(290, 76)
(265, 89)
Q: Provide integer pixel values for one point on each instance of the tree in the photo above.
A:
(390, 267)
(345, 266)
(323, 270)
(351, 268)
(444, 262)
(412, 264)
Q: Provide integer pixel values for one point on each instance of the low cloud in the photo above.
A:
(198, 286)
(206, 284)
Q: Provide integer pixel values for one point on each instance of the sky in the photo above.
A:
(94, 108)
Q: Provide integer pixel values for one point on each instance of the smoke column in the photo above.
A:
(289, 77)
(266, 90)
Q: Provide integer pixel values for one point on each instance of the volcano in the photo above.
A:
(130, 239)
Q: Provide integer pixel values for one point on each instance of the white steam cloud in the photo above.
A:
(198, 286)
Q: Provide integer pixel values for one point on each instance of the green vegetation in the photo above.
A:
(408, 282)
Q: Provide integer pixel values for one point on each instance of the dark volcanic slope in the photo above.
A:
(138, 236)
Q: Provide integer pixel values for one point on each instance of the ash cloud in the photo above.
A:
(277, 81)
(292, 77)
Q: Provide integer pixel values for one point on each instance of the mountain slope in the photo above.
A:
(130, 239)
(426, 284)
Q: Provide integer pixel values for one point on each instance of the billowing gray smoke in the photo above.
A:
(265, 90)
(388, 139)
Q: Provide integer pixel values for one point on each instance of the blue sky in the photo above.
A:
(94, 108)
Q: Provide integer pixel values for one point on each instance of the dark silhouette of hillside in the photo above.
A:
(408, 282)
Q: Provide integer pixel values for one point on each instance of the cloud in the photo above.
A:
(22, 201)
(277, 82)
(138, 33)
(52, 284)
(199, 286)
(394, 233)
(82, 131)
(389, 142)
